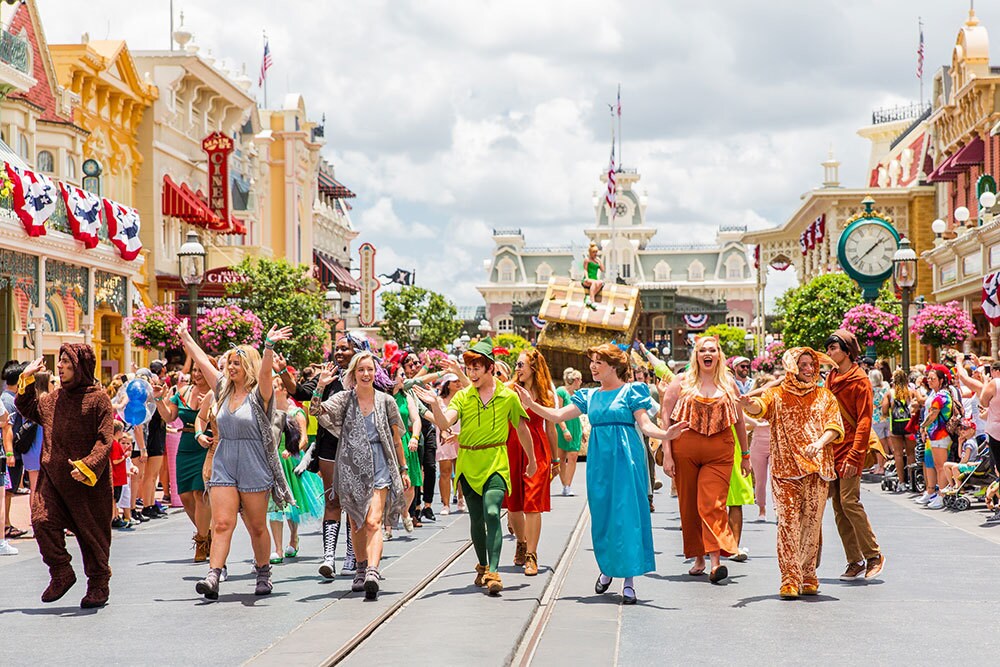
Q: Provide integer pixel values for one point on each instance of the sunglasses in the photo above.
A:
(520, 364)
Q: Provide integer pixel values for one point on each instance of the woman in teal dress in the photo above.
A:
(191, 453)
(617, 476)
(307, 489)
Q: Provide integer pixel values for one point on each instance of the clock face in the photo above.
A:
(869, 249)
(621, 210)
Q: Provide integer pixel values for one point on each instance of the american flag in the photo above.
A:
(920, 54)
(611, 196)
(619, 100)
(265, 64)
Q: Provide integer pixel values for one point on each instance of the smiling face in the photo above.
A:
(523, 370)
(411, 365)
(66, 370)
(933, 380)
(364, 373)
(709, 356)
(600, 369)
(480, 372)
(342, 352)
(807, 368)
(742, 370)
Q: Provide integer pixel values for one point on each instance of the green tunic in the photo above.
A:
(482, 448)
(412, 458)
(190, 455)
(573, 425)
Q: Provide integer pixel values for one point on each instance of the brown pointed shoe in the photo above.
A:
(809, 588)
(200, 548)
(493, 583)
(530, 564)
(480, 575)
(60, 583)
(520, 554)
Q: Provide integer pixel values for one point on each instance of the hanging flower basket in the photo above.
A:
(154, 328)
(432, 359)
(770, 360)
(943, 325)
(222, 328)
(874, 327)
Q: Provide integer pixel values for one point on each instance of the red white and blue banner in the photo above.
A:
(813, 234)
(991, 300)
(34, 198)
(537, 322)
(123, 229)
(696, 321)
(83, 210)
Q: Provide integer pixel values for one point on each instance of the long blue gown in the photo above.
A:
(618, 480)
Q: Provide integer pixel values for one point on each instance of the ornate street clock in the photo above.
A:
(866, 248)
(621, 210)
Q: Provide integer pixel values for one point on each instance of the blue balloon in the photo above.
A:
(135, 413)
(137, 390)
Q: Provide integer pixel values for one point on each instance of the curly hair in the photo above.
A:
(613, 356)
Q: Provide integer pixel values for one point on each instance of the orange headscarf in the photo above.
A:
(790, 362)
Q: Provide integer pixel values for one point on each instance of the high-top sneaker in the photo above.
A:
(350, 563)
(263, 586)
(331, 529)
(209, 586)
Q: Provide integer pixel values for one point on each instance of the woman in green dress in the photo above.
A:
(570, 431)
(191, 452)
(591, 270)
(411, 440)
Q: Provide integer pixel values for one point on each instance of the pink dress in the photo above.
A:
(447, 446)
(760, 455)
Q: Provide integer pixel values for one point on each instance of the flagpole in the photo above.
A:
(265, 72)
(920, 25)
(621, 159)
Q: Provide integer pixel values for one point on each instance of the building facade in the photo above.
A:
(333, 234)
(683, 288)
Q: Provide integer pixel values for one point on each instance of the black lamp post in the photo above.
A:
(191, 267)
(904, 270)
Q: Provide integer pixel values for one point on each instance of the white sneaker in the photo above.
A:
(7, 549)
(936, 502)
(444, 511)
(924, 499)
(408, 523)
(948, 489)
(461, 505)
(569, 491)
(224, 574)
(565, 491)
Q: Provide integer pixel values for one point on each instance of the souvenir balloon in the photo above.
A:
(138, 392)
(389, 349)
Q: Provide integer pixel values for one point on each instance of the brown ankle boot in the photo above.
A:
(520, 554)
(493, 583)
(200, 548)
(97, 595)
(531, 564)
(480, 575)
(61, 581)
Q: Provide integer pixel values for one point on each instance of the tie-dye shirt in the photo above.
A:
(941, 400)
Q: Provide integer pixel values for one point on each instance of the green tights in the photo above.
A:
(484, 518)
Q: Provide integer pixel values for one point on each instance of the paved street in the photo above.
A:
(940, 577)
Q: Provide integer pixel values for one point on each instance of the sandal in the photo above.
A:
(696, 572)
(12, 533)
(718, 574)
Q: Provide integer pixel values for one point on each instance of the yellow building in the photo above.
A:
(113, 98)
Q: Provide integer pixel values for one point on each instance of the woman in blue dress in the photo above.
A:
(617, 476)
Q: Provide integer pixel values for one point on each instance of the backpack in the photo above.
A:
(954, 425)
(900, 412)
(24, 434)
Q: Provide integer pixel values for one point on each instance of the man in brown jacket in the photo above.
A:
(853, 390)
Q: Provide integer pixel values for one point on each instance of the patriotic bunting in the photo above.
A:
(34, 198)
(696, 321)
(83, 209)
(813, 235)
(123, 229)
(991, 301)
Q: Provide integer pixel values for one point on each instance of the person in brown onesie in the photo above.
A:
(74, 484)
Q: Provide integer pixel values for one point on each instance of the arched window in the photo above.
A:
(46, 163)
(505, 271)
(661, 272)
(737, 321)
(543, 273)
(505, 325)
(734, 267)
(70, 168)
(696, 270)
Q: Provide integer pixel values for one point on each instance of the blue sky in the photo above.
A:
(450, 118)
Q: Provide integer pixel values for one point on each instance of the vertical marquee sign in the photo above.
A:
(218, 146)
(369, 284)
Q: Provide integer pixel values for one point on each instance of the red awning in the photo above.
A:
(328, 185)
(180, 202)
(970, 154)
(330, 270)
(943, 173)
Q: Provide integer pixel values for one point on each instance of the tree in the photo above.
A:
(732, 339)
(287, 295)
(439, 323)
(812, 311)
(514, 345)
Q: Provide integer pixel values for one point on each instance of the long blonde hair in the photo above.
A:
(722, 376)
(249, 359)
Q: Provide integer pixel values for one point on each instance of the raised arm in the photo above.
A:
(969, 381)
(194, 351)
(555, 415)
(26, 399)
(443, 417)
(988, 394)
(166, 407)
(264, 386)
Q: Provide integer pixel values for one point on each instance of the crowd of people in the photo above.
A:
(361, 444)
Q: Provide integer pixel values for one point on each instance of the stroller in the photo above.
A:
(973, 484)
(914, 474)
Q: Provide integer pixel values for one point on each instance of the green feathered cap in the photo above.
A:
(484, 348)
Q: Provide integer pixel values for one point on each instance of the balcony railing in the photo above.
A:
(14, 51)
(899, 112)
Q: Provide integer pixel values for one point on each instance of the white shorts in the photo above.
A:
(126, 499)
(881, 429)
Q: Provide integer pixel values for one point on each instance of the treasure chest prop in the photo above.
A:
(571, 327)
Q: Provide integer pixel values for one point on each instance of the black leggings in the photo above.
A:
(428, 462)
(994, 450)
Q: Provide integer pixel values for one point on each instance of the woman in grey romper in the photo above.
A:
(245, 467)
(367, 478)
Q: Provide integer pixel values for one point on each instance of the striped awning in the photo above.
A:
(328, 185)
(329, 270)
(179, 201)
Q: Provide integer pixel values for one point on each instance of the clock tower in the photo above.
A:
(621, 241)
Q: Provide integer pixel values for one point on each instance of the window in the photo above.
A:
(661, 272)
(626, 271)
(505, 325)
(696, 271)
(737, 321)
(543, 273)
(23, 149)
(734, 267)
(505, 269)
(46, 163)
(70, 168)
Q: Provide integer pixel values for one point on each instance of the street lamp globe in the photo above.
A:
(904, 264)
(333, 301)
(939, 227)
(414, 326)
(191, 260)
(962, 215)
(987, 199)
(484, 328)
(466, 339)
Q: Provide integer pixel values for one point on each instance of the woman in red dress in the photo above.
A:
(529, 496)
